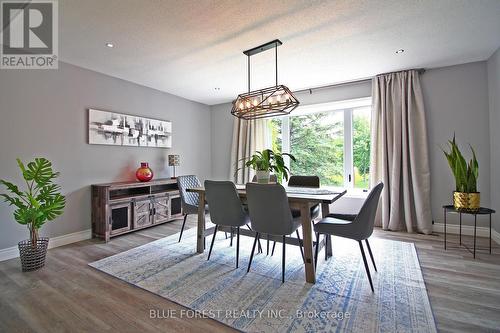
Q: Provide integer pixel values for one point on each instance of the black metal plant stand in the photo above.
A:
(481, 211)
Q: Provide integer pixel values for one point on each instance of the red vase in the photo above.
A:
(144, 173)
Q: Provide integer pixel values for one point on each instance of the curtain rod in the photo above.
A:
(346, 83)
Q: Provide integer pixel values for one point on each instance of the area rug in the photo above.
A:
(340, 301)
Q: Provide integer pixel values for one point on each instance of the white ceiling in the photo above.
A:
(188, 48)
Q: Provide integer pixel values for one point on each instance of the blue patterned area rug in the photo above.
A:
(340, 301)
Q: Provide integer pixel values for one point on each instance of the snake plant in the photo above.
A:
(465, 174)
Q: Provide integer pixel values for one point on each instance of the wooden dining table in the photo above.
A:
(302, 199)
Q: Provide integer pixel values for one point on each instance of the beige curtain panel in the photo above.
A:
(400, 156)
(248, 137)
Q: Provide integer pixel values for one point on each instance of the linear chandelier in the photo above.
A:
(268, 102)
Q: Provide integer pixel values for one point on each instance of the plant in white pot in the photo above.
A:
(38, 203)
(465, 196)
(267, 161)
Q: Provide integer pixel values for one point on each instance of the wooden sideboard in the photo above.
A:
(119, 208)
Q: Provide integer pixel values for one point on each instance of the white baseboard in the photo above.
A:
(13, 252)
(9, 253)
(467, 230)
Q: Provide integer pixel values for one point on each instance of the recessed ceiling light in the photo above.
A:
(400, 51)
(110, 45)
(217, 88)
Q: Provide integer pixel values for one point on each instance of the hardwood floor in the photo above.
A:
(69, 296)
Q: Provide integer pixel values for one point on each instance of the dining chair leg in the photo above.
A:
(253, 251)
(260, 247)
(326, 247)
(316, 251)
(274, 246)
(237, 246)
(231, 243)
(213, 240)
(366, 264)
(283, 261)
(300, 245)
(371, 255)
(225, 234)
(182, 228)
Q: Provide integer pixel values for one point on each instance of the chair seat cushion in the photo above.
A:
(243, 222)
(346, 217)
(336, 227)
(190, 209)
(314, 212)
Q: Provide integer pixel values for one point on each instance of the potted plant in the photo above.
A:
(465, 196)
(267, 161)
(39, 202)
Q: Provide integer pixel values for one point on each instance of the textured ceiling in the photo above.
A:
(189, 48)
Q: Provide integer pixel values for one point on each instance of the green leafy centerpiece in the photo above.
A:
(38, 203)
(465, 196)
(267, 161)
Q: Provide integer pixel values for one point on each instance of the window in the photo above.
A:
(361, 118)
(330, 140)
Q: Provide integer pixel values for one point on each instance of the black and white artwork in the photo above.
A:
(111, 128)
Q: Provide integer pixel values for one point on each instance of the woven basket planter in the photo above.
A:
(33, 257)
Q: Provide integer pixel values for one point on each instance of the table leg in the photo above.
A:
(200, 243)
(490, 233)
(475, 224)
(460, 232)
(267, 250)
(445, 228)
(305, 214)
(325, 210)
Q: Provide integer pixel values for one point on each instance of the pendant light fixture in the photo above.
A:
(268, 102)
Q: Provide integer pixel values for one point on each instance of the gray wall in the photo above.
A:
(222, 134)
(43, 113)
(456, 100)
(222, 120)
(222, 130)
(494, 105)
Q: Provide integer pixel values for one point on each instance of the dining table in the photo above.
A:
(300, 198)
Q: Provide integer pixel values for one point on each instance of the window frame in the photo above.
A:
(347, 107)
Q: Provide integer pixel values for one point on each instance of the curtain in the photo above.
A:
(249, 136)
(400, 157)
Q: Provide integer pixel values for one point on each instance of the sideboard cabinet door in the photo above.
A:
(120, 217)
(161, 209)
(142, 213)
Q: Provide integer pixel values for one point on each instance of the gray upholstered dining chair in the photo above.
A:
(270, 214)
(303, 181)
(190, 200)
(225, 210)
(357, 227)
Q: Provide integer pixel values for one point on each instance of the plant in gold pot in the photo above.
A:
(39, 202)
(466, 196)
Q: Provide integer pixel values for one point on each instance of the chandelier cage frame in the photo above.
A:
(273, 101)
